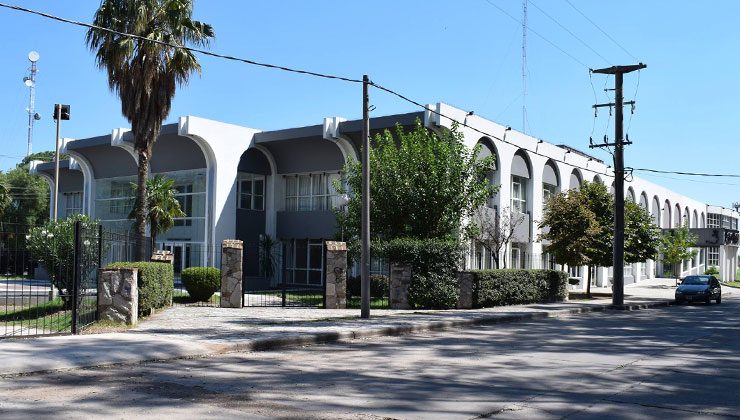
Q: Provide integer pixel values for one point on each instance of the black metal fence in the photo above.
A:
(186, 255)
(48, 279)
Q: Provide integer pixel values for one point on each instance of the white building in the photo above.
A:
(239, 182)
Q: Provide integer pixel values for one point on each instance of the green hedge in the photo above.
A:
(201, 282)
(433, 291)
(512, 287)
(156, 281)
(379, 286)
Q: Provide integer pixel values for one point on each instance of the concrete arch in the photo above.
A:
(703, 221)
(695, 220)
(549, 170)
(488, 148)
(598, 179)
(655, 211)
(644, 200)
(667, 214)
(630, 194)
(687, 216)
(521, 167)
(677, 220)
(576, 179)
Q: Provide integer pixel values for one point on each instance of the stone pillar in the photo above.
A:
(465, 284)
(336, 275)
(118, 295)
(400, 282)
(232, 295)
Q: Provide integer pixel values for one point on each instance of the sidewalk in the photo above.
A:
(188, 332)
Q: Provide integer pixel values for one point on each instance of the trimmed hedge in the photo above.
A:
(156, 282)
(512, 287)
(434, 264)
(201, 282)
(379, 286)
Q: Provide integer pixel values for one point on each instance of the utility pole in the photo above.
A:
(365, 258)
(619, 143)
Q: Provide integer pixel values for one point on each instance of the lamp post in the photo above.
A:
(61, 112)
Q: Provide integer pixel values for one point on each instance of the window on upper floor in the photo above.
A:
(713, 220)
(251, 192)
(311, 192)
(548, 191)
(518, 194)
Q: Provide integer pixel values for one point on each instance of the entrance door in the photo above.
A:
(178, 253)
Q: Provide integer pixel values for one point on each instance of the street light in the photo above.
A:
(61, 112)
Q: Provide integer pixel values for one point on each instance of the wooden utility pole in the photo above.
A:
(365, 258)
(619, 143)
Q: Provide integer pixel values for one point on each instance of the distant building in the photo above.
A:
(239, 182)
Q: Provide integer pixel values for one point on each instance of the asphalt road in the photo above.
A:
(677, 362)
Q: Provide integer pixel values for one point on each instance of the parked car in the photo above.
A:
(699, 288)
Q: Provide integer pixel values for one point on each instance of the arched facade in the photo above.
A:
(655, 211)
(667, 215)
(550, 180)
(630, 195)
(576, 180)
(644, 200)
(488, 148)
(521, 183)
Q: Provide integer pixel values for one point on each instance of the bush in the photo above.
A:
(201, 282)
(439, 256)
(379, 286)
(511, 287)
(156, 281)
(712, 271)
(433, 291)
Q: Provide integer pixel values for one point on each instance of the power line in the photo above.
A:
(686, 173)
(693, 180)
(536, 33)
(569, 31)
(602, 31)
(183, 47)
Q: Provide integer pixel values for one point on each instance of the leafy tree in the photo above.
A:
(144, 73)
(600, 252)
(675, 245)
(494, 231)
(571, 228)
(423, 184)
(53, 244)
(27, 198)
(641, 236)
(45, 156)
(162, 204)
(4, 197)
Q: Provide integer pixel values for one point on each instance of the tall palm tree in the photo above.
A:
(162, 205)
(145, 74)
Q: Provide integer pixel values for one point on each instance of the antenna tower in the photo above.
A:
(524, 66)
(30, 82)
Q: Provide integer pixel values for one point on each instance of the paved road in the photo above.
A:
(677, 362)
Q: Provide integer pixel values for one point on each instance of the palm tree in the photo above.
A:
(145, 74)
(162, 204)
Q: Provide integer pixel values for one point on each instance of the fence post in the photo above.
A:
(232, 294)
(100, 245)
(399, 283)
(335, 284)
(76, 276)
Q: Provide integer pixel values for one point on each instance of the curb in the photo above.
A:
(269, 344)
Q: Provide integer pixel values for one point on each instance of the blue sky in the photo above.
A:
(466, 53)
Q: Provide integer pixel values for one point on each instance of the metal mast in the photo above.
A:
(524, 66)
(30, 82)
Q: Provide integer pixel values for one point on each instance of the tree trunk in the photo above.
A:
(141, 206)
(588, 282)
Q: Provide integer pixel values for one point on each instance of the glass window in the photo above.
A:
(310, 192)
(305, 261)
(548, 191)
(72, 203)
(713, 220)
(251, 192)
(713, 256)
(518, 194)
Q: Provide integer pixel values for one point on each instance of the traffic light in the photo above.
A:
(64, 111)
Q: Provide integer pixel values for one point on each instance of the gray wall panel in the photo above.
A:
(306, 224)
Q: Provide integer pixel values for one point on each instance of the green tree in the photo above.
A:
(600, 252)
(145, 72)
(641, 236)
(53, 244)
(570, 227)
(163, 206)
(675, 246)
(423, 184)
(27, 201)
(4, 197)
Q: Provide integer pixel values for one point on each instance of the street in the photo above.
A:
(679, 362)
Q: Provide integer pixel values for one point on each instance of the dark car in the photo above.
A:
(699, 288)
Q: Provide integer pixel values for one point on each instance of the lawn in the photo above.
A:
(182, 297)
(44, 318)
(733, 284)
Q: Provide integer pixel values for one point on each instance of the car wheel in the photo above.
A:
(719, 299)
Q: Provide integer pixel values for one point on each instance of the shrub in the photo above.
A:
(712, 271)
(156, 281)
(433, 291)
(511, 287)
(379, 286)
(439, 256)
(201, 282)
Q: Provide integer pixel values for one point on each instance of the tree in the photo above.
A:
(570, 227)
(600, 252)
(162, 205)
(641, 236)
(675, 245)
(27, 201)
(423, 184)
(4, 197)
(495, 232)
(145, 72)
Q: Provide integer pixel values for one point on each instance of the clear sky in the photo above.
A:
(466, 53)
